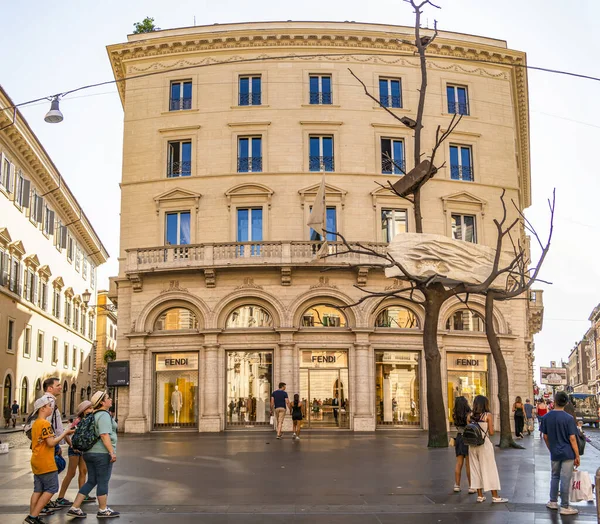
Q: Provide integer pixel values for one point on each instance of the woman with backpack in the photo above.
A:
(297, 416)
(519, 415)
(460, 415)
(99, 458)
(484, 472)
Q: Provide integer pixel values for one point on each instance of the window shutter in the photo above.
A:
(5, 268)
(26, 192)
(51, 223)
(63, 237)
(39, 209)
(35, 289)
(20, 280)
(11, 178)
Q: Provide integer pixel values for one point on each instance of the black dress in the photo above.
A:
(519, 421)
(296, 411)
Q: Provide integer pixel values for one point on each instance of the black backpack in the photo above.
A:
(473, 435)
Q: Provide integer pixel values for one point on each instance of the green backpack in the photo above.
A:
(86, 434)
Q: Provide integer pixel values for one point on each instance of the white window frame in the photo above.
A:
(392, 140)
(460, 165)
(10, 335)
(388, 79)
(27, 342)
(54, 351)
(39, 350)
(320, 76)
(393, 211)
(463, 228)
(66, 355)
(250, 77)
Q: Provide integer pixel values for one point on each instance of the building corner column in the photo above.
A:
(364, 381)
(287, 375)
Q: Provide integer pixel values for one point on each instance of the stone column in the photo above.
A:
(136, 421)
(287, 374)
(364, 381)
(210, 421)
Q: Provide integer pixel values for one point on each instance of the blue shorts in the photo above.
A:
(46, 483)
(74, 452)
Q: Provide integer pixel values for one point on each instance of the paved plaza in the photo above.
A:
(327, 477)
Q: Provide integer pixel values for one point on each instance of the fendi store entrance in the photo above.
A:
(324, 389)
(468, 376)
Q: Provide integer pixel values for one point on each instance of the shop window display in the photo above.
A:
(249, 387)
(323, 316)
(467, 377)
(176, 318)
(249, 317)
(466, 320)
(397, 388)
(397, 317)
(176, 391)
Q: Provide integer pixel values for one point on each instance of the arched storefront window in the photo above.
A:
(397, 317)
(321, 315)
(24, 396)
(8, 390)
(73, 398)
(175, 319)
(249, 317)
(465, 320)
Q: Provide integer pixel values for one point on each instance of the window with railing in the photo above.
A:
(392, 156)
(458, 99)
(249, 154)
(177, 228)
(320, 89)
(250, 90)
(464, 228)
(461, 163)
(390, 92)
(249, 229)
(321, 153)
(181, 95)
(179, 161)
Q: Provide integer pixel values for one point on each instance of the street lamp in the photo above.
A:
(54, 116)
(86, 296)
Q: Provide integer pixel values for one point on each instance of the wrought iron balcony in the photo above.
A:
(227, 254)
(178, 104)
(389, 166)
(249, 164)
(250, 99)
(321, 163)
(390, 100)
(320, 98)
(461, 173)
(175, 169)
(460, 108)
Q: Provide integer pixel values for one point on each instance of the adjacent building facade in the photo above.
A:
(49, 253)
(228, 132)
(106, 337)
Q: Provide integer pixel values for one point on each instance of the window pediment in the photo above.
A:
(17, 248)
(387, 196)
(58, 283)
(464, 198)
(5, 238)
(245, 192)
(177, 195)
(32, 261)
(69, 292)
(332, 194)
(45, 271)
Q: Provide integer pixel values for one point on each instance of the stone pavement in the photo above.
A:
(327, 477)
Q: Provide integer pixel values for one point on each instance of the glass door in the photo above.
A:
(324, 394)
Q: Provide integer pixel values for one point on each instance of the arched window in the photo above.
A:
(465, 320)
(176, 318)
(397, 317)
(38, 389)
(24, 396)
(82, 395)
(321, 315)
(8, 390)
(249, 317)
(73, 396)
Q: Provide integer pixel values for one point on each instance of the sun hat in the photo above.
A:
(40, 403)
(97, 398)
(82, 407)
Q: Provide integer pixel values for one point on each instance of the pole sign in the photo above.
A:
(553, 376)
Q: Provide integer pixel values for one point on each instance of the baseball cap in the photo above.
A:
(40, 403)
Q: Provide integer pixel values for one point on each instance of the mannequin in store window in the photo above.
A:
(176, 403)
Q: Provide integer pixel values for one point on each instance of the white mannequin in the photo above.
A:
(176, 403)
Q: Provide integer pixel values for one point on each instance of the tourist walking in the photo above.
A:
(6, 413)
(559, 430)
(99, 459)
(14, 412)
(280, 404)
(541, 409)
(529, 409)
(297, 416)
(519, 416)
(484, 472)
(460, 416)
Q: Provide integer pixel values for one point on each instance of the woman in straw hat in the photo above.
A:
(75, 461)
(99, 459)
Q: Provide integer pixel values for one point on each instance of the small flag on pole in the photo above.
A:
(318, 217)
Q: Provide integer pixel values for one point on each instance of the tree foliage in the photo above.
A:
(145, 26)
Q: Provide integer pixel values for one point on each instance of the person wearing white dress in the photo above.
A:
(484, 472)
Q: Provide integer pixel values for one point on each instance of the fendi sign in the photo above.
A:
(467, 361)
(176, 361)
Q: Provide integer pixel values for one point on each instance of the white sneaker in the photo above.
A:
(297, 437)
(293, 435)
(552, 505)
(569, 510)
(456, 488)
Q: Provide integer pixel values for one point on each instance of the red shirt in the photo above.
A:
(542, 409)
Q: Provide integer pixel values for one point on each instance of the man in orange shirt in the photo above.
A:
(43, 465)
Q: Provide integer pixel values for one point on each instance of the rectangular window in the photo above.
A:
(74, 363)
(81, 360)
(250, 229)
(77, 258)
(10, 339)
(461, 165)
(48, 221)
(30, 286)
(5, 264)
(90, 363)
(84, 269)
(40, 346)
(179, 159)
(27, 342)
(181, 95)
(56, 303)
(393, 221)
(390, 92)
(23, 187)
(82, 323)
(463, 228)
(92, 276)
(321, 153)
(91, 328)
(392, 156)
(66, 356)
(6, 175)
(54, 350)
(458, 100)
(250, 154)
(331, 226)
(76, 318)
(36, 212)
(15, 276)
(250, 91)
(67, 311)
(177, 228)
(320, 89)
(70, 248)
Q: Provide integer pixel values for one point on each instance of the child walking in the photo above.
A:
(43, 465)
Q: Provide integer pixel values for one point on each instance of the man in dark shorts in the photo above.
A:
(529, 415)
(280, 404)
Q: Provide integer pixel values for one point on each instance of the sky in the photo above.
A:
(52, 47)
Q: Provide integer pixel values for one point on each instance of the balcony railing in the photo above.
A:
(390, 101)
(194, 256)
(176, 169)
(249, 164)
(397, 167)
(461, 173)
(250, 99)
(460, 108)
(321, 163)
(320, 98)
(178, 104)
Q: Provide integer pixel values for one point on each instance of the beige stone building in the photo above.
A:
(228, 132)
(106, 337)
(49, 253)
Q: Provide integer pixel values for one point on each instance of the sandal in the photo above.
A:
(498, 500)
(456, 488)
(480, 499)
